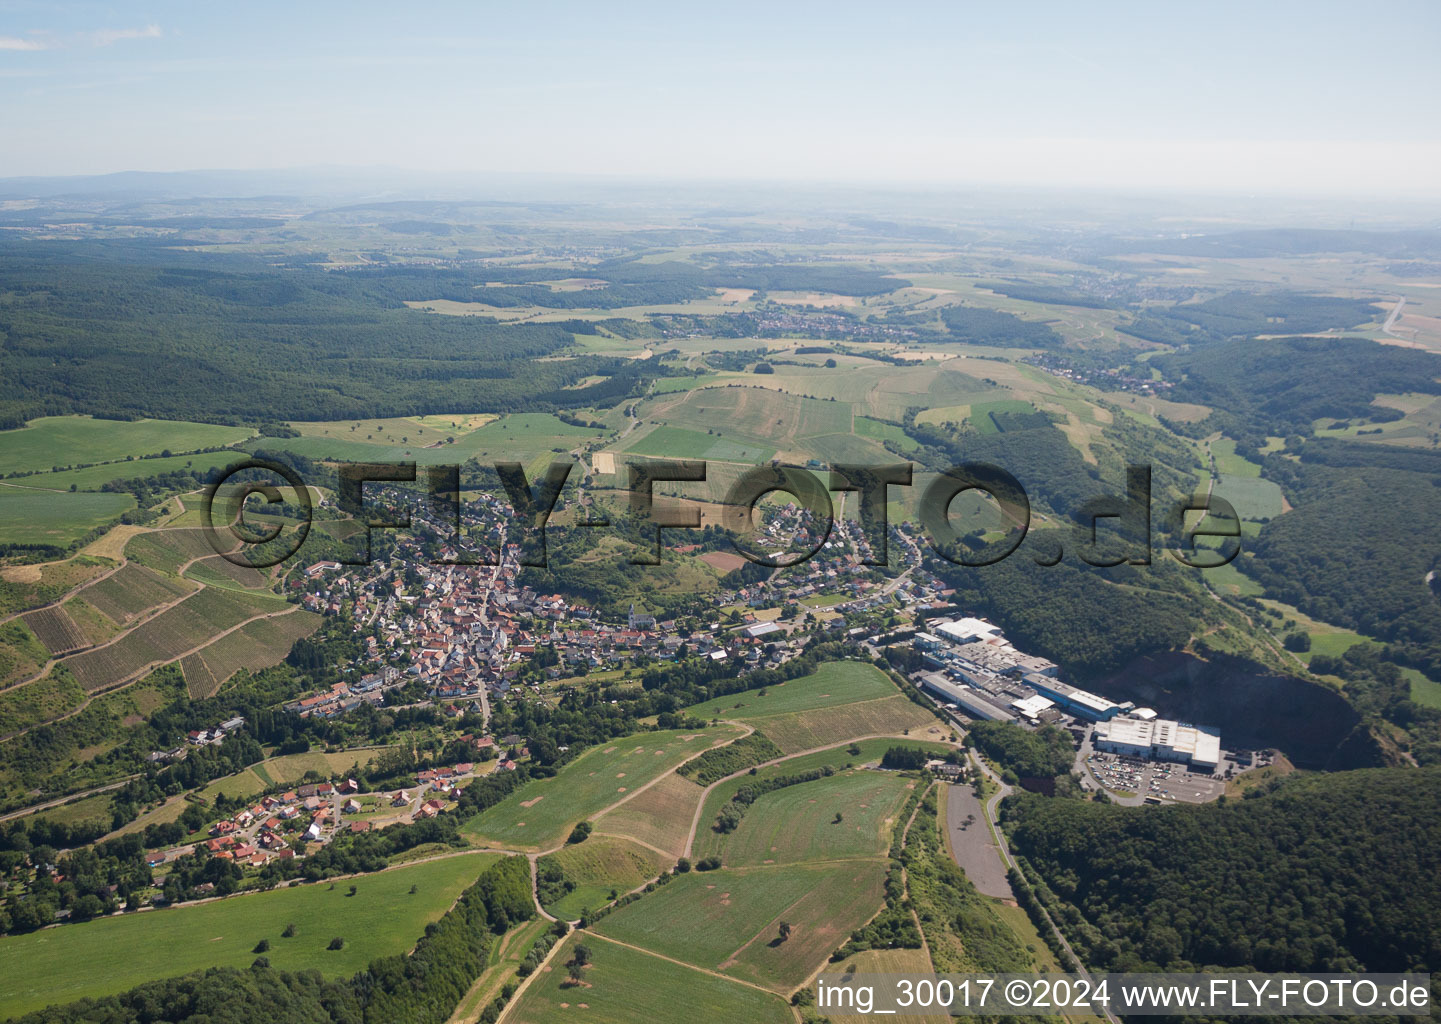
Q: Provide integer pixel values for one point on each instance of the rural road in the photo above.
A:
(1003, 791)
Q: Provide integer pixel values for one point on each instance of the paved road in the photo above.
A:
(1002, 791)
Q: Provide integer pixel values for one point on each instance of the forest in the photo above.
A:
(1338, 872)
(1042, 754)
(1283, 385)
(1247, 314)
(256, 344)
(1348, 552)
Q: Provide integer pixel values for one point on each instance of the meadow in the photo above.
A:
(58, 965)
(798, 823)
(519, 437)
(628, 986)
(543, 812)
(29, 586)
(660, 817)
(1251, 496)
(598, 866)
(732, 917)
(833, 683)
(839, 758)
(839, 701)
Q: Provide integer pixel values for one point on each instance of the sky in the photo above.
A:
(1298, 98)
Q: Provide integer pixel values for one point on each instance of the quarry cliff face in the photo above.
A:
(1251, 705)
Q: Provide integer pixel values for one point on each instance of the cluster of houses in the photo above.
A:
(466, 634)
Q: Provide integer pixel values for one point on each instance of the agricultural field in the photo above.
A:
(66, 440)
(56, 630)
(254, 646)
(890, 716)
(798, 823)
(750, 424)
(93, 478)
(598, 866)
(28, 516)
(520, 437)
(839, 758)
(1228, 463)
(680, 443)
(732, 916)
(1251, 496)
(629, 986)
(168, 636)
(118, 953)
(660, 817)
(541, 813)
(840, 701)
(132, 591)
(884, 961)
(835, 682)
(167, 550)
(291, 768)
(220, 572)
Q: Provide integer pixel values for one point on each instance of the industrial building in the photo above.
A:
(1160, 739)
(964, 631)
(975, 703)
(1075, 701)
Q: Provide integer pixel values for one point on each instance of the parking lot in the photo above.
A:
(1160, 780)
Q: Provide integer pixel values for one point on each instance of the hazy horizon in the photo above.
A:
(1220, 99)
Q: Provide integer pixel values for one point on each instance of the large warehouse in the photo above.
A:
(1075, 701)
(1160, 739)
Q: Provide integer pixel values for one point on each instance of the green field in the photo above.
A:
(97, 958)
(798, 823)
(1251, 496)
(598, 866)
(680, 443)
(627, 986)
(543, 812)
(1228, 463)
(1424, 691)
(882, 431)
(981, 413)
(838, 757)
(66, 440)
(727, 920)
(92, 478)
(839, 701)
(659, 817)
(29, 516)
(831, 684)
(521, 437)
